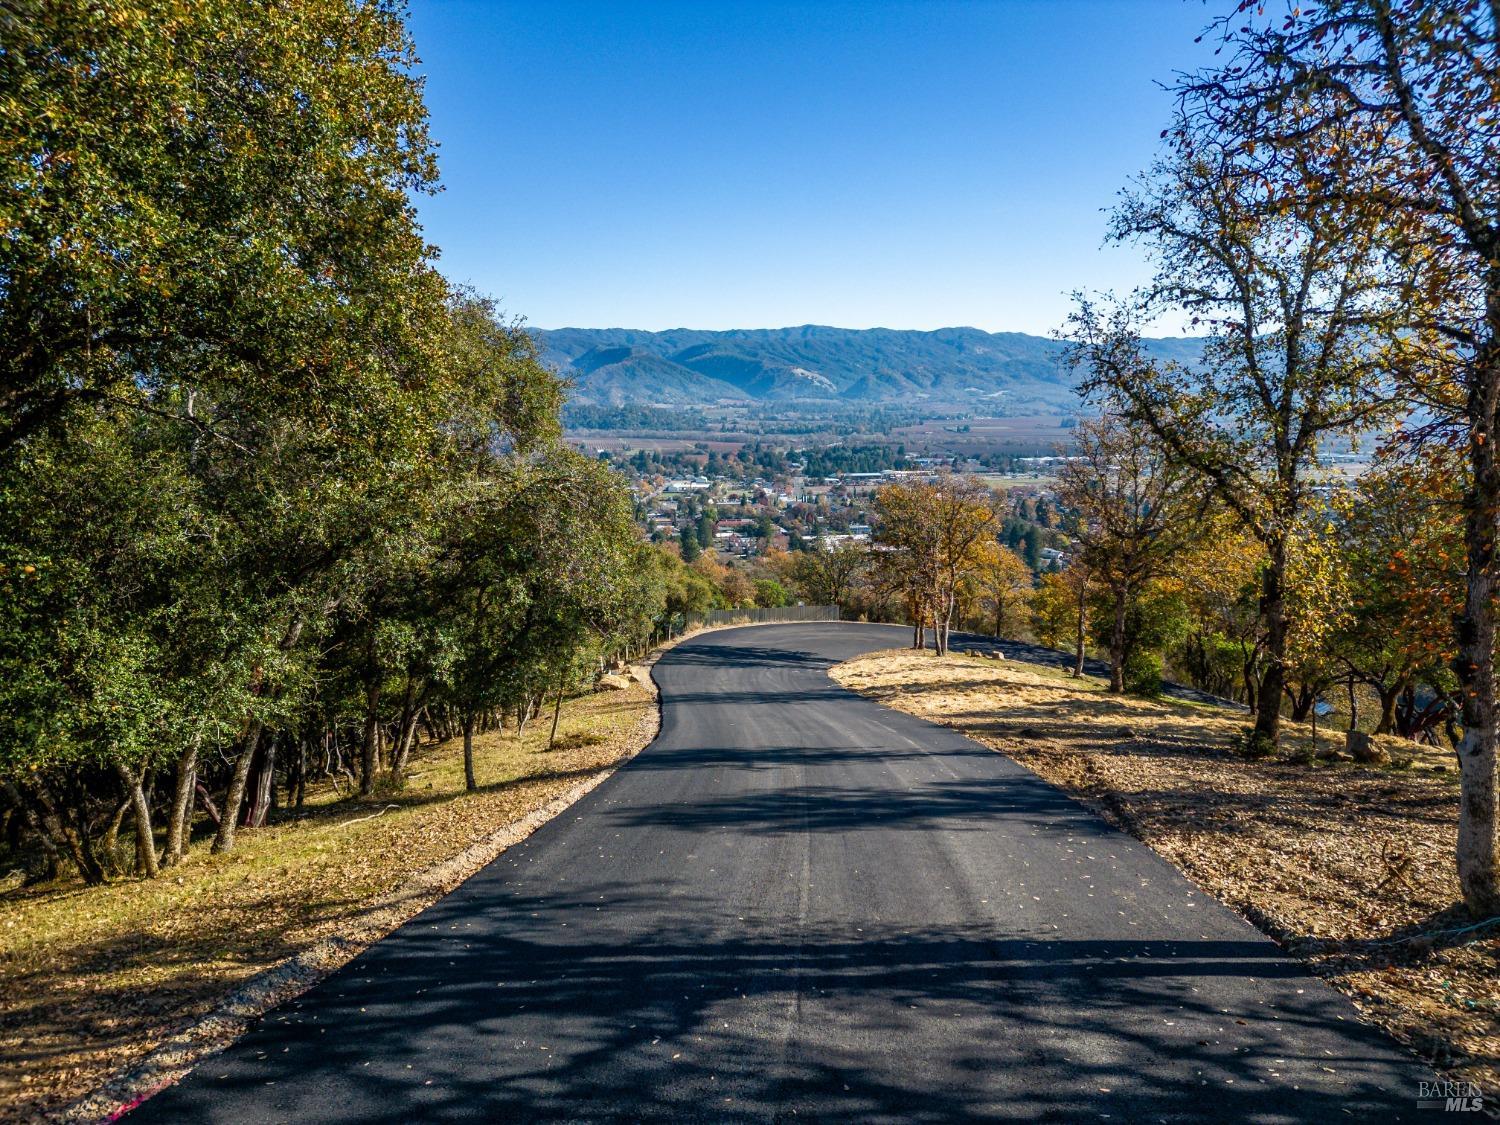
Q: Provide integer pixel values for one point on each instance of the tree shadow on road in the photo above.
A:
(970, 804)
(507, 1004)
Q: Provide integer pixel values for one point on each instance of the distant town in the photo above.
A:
(743, 503)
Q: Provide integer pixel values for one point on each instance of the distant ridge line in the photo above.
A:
(1002, 372)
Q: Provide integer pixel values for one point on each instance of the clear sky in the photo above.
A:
(720, 165)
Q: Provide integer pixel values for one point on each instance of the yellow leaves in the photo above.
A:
(1318, 593)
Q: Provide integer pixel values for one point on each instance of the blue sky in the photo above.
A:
(720, 165)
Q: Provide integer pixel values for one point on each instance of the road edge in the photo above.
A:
(235, 1014)
(184, 1049)
(1108, 807)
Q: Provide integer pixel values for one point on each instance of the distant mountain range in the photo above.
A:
(1010, 373)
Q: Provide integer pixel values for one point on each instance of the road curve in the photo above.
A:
(797, 904)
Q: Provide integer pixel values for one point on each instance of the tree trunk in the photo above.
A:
(234, 797)
(1273, 679)
(405, 736)
(205, 798)
(1388, 698)
(371, 745)
(109, 843)
(263, 790)
(145, 840)
(556, 715)
(469, 783)
(51, 845)
(1083, 604)
(224, 840)
(1475, 660)
(180, 819)
(405, 731)
(1304, 701)
(1117, 639)
(80, 847)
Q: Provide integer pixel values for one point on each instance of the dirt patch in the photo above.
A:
(94, 979)
(1349, 867)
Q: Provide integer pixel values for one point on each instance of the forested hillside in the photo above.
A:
(1001, 372)
(272, 492)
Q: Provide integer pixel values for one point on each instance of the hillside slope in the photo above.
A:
(1004, 372)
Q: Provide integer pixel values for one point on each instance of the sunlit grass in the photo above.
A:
(93, 976)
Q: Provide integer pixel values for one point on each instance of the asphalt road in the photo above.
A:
(797, 904)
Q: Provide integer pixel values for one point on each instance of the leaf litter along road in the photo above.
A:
(1350, 867)
(92, 979)
(799, 903)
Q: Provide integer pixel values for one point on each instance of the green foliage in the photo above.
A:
(1054, 608)
(1031, 548)
(266, 481)
(1157, 620)
(770, 593)
(633, 416)
(1143, 672)
(1250, 743)
(829, 575)
(195, 186)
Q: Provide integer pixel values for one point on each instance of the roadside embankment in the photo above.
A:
(1349, 867)
(127, 984)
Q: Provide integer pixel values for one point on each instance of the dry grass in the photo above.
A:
(92, 978)
(1349, 867)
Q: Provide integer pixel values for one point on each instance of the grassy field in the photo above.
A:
(92, 978)
(1349, 867)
